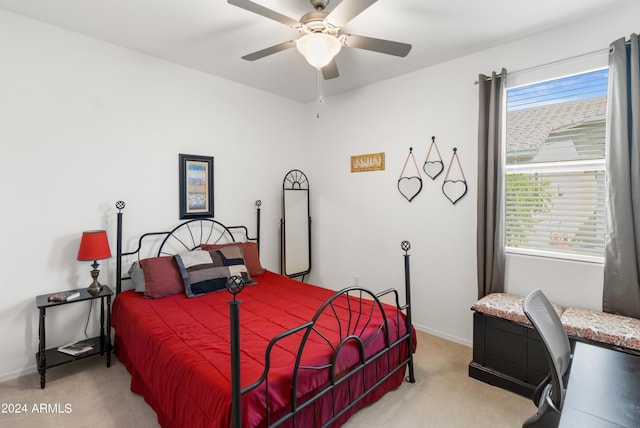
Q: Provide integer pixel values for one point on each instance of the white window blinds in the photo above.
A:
(555, 167)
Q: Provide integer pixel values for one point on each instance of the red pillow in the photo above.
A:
(251, 256)
(161, 277)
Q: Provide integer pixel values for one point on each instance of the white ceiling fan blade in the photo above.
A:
(347, 10)
(377, 45)
(330, 71)
(266, 12)
(269, 51)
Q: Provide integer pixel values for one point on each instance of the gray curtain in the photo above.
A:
(622, 235)
(490, 239)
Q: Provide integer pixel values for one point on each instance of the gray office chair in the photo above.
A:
(549, 396)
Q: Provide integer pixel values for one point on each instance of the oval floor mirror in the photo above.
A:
(295, 225)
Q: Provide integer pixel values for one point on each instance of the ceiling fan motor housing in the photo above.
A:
(314, 22)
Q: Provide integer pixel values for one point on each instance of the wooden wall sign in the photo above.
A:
(368, 162)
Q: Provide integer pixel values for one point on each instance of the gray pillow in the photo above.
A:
(137, 277)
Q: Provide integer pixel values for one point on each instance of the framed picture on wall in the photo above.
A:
(196, 186)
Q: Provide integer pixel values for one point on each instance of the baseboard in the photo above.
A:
(443, 335)
(4, 377)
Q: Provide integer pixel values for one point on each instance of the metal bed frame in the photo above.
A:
(199, 231)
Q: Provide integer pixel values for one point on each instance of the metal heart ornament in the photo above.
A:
(454, 190)
(433, 168)
(409, 187)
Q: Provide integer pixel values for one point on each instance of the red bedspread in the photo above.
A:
(177, 350)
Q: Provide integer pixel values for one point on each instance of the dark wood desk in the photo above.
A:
(603, 389)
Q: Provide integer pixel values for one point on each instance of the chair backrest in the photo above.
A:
(547, 323)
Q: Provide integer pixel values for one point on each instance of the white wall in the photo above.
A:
(362, 218)
(84, 124)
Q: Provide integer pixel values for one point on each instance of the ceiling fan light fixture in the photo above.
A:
(318, 48)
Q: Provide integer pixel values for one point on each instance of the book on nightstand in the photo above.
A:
(64, 296)
(76, 348)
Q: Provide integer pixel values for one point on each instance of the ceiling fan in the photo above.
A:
(321, 34)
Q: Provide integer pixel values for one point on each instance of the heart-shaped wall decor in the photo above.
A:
(454, 190)
(433, 168)
(409, 187)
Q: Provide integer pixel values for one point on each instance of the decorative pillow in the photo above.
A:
(161, 277)
(207, 271)
(251, 255)
(137, 277)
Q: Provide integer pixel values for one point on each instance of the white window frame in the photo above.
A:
(573, 66)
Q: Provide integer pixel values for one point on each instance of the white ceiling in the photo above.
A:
(212, 35)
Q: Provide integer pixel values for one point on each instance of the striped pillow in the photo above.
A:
(207, 271)
(250, 251)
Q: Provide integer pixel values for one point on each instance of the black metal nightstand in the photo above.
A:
(47, 358)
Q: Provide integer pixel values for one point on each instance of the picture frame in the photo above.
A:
(196, 186)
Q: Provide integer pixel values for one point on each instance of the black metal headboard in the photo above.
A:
(187, 236)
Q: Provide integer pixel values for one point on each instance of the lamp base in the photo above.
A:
(95, 288)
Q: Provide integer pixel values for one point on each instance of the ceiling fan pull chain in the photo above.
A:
(320, 86)
(319, 92)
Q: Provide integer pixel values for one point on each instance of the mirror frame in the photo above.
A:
(295, 226)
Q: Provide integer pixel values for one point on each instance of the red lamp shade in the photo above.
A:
(94, 245)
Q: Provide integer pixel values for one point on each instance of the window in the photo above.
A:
(555, 167)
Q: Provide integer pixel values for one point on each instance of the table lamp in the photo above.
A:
(94, 246)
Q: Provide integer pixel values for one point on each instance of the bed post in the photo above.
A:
(120, 206)
(235, 284)
(258, 204)
(406, 246)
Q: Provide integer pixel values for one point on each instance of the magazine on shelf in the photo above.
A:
(64, 296)
(76, 348)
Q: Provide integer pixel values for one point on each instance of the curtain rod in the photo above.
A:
(559, 61)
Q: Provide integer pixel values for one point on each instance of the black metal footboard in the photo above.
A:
(350, 312)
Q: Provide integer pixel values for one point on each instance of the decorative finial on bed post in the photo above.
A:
(120, 205)
(406, 246)
(258, 203)
(235, 284)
